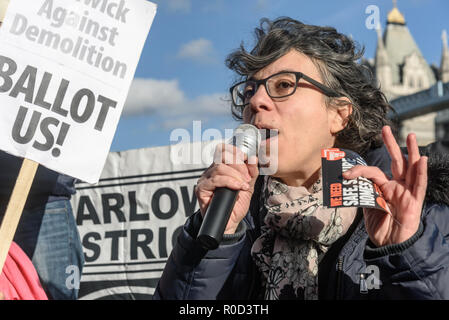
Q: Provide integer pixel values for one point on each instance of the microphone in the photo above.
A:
(247, 138)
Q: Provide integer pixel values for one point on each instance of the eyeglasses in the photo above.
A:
(278, 85)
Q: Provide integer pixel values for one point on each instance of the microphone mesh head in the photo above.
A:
(247, 138)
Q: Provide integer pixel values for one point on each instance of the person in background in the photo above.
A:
(47, 231)
(280, 242)
(19, 280)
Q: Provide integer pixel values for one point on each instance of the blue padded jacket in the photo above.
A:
(353, 268)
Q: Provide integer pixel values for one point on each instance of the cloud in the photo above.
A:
(200, 50)
(166, 98)
(150, 95)
(261, 4)
(183, 6)
(178, 122)
(215, 103)
(214, 6)
(203, 108)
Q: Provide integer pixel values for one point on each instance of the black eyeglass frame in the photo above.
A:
(299, 75)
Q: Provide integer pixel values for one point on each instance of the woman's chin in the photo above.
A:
(268, 165)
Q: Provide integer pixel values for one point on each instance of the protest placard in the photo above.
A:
(130, 220)
(65, 70)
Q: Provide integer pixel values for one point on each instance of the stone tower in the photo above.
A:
(402, 70)
(383, 67)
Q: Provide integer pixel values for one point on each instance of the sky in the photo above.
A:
(181, 81)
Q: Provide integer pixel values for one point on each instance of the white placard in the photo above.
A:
(130, 220)
(65, 70)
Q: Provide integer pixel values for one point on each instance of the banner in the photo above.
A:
(130, 220)
(65, 70)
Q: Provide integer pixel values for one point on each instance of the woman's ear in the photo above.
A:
(340, 110)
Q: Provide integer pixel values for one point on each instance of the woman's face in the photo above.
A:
(305, 125)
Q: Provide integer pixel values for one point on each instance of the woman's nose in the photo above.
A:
(261, 100)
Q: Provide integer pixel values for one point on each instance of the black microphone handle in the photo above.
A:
(216, 217)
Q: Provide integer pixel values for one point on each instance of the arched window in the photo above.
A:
(420, 82)
(411, 83)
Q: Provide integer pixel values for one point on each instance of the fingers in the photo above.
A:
(398, 162)
(221, 175)
(231, 168)
(373, 173)
(229, 154)
(420, 183)
(413, 158)
(237, 159)
(216, 176)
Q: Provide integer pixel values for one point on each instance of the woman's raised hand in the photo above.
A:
(404, 193)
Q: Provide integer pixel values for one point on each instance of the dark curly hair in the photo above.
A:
(337, 59)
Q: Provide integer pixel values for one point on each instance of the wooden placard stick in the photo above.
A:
(15, 207)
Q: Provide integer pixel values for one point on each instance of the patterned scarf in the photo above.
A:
(298, 231)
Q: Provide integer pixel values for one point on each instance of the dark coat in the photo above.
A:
(47, 186)
(352, 268)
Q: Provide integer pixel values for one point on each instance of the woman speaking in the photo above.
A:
(280, 242)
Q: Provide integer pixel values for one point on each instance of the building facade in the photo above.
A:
(400, 69)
